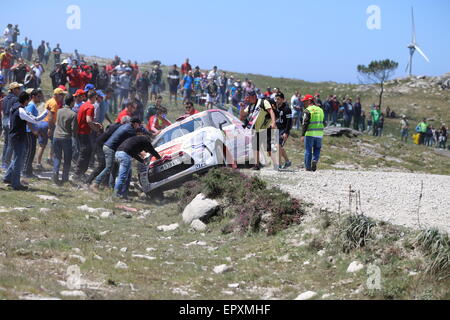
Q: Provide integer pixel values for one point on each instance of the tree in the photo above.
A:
(378, 72)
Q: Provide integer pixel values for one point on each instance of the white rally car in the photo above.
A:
(195, 144)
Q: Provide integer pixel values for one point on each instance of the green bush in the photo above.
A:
(356, 231)
(436, 246)
(249, 198)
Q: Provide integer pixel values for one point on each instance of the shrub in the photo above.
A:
(248, 198)
(356, 231)
(436, 246)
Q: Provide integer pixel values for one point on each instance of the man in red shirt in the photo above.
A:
(129, 110)
(157, 122)
(6, 60)
(186, 67)
(74, 75)
(86, 124)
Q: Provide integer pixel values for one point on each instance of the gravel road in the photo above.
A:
(388, 196)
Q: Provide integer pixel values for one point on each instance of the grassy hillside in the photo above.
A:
(365, 152)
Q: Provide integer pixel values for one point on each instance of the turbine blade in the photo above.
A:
(413, 26)
(422, 53)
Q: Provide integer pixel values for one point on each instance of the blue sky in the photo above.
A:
(316, 40)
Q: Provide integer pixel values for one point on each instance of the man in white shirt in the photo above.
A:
(8, 34)
(213, 74)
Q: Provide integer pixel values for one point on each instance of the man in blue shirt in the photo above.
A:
(30, 152)
(188, 86)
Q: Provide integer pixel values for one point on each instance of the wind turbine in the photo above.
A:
(413, 46)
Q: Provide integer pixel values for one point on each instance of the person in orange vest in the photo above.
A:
(158, 122)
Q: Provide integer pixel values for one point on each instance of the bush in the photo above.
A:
(248, 197)
(357, 230)
(436, 246)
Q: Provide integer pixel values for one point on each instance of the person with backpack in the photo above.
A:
(259, 116)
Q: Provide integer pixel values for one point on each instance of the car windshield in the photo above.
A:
(181, 130)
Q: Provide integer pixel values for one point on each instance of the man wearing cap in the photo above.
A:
(404, 126)
(86, 125)
(53, 105)
(17, 135)
(8, 102)
(74, 75)
(65, 129)
(124, 85)
(312, 132)
(101, 108)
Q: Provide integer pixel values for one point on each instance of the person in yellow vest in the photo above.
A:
(312, 132)
(422, 130)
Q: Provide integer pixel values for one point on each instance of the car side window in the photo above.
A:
(218, 118)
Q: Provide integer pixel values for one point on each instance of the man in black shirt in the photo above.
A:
(174, 80)
(284, 124)
(130, 148)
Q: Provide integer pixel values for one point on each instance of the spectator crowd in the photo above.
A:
(85, 97)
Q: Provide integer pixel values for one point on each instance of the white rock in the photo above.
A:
(170, 227)
(196, 243)
(326, 296)
(306, 263)
(142, 256)
(89, 209)
(355, 266)
(74, 293)
(233, 285)
(221, 268)
(97, 257)
(321, 253)
(306, 295)
(150, 249)
(198, 225)
(77, 257)
(44, 210)
(227, 292)
(105, 214)
(103, 233)
(200, 207)
(121, 265)
(284, 258)
(413, 273)
(76, 250)
(48, 198)
(124, 249)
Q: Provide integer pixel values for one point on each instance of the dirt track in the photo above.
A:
(388, 196)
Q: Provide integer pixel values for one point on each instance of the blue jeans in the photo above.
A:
(124, 177)
(61, 146)
(15, 167)
(312, 150)
(296, 118)
(334, 116)
(7, 149)
(109, 160)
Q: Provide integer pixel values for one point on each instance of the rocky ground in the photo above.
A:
(389, 196)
